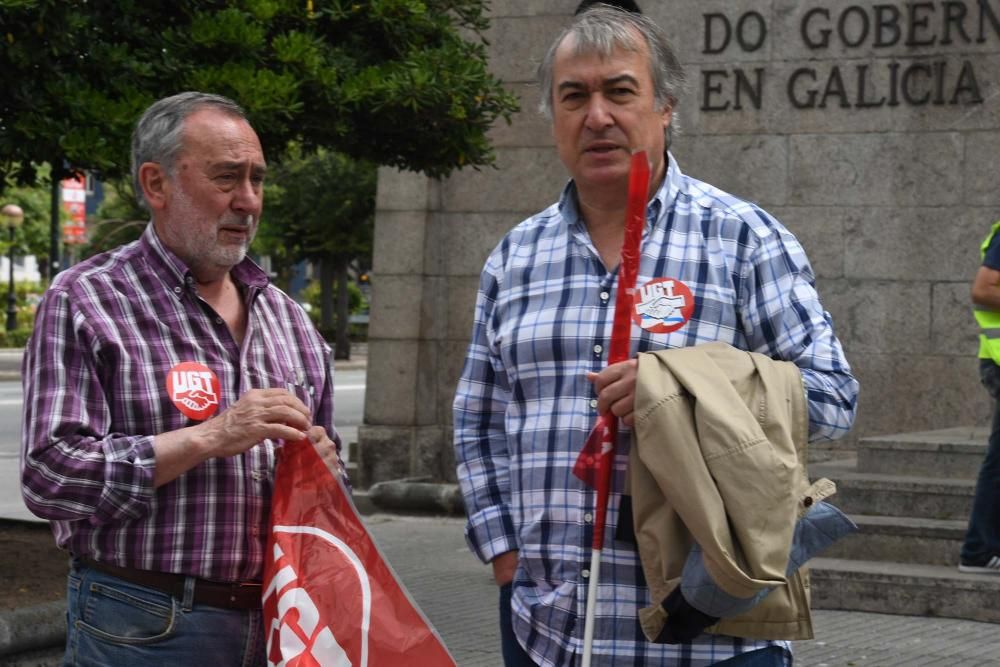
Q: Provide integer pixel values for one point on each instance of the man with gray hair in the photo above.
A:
(535, 376)
(159, 381)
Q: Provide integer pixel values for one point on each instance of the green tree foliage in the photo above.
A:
(32, 237)
(316, 205)
(321, 206)
(402, 83)
(118, 220)
(395, 82)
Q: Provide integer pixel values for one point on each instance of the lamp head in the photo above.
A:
(12, 215)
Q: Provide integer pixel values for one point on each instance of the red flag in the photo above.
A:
(330, 599)
(594, 463)
(599, 443)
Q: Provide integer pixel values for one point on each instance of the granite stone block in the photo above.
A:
(400, 190)
(428, 401)
(433, 455)
(980, 169)
(953, 328)
(518, 44)
(461, 293)
(528, 127)
(395, 307)
(905, 393)
(390, 399)
(434, 314)
(925, 243)
(459, 243)
(525, 179)
(399, 242)
(876, 170)
(751, 167)
(873, 316)
(514, 8)
(384, 453)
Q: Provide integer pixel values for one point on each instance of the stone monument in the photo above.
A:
(870, 129)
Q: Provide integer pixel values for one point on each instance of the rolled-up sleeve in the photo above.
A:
(72, 467)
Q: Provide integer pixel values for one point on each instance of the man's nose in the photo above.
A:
(599, 113)
(248, 197)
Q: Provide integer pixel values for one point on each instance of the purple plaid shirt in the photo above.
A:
(107, 332)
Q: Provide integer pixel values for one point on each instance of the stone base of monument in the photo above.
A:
(911, 495)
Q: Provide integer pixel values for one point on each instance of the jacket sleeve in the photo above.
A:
(783, 318)
(481, 449)
(72, 467)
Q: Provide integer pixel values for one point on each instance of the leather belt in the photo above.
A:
(238, 595)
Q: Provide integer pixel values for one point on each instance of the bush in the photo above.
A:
(311, 295)
(27, 295)
(15, 338)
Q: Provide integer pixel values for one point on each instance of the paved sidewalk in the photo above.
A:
(458, 596)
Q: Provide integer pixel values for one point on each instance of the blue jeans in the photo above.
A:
(982, 540)
(772, 656)
(114, 622)
(513, 653)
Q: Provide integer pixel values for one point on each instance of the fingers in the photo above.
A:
(274, 397)
(615, 387)
(504, 567)
(327, 449)
(258, 415)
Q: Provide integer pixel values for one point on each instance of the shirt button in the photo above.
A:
(257, 475)
(218, 320)
(585, 574)
(598, 349)
(189, 280)
(588, 517)
(178, 289)
(604, 296)
(593, 402)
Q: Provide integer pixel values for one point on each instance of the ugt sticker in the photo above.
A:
(194, 389)
(662, 305)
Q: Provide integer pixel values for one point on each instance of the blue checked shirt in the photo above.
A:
(524, 407)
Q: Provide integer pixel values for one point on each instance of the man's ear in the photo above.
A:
(155, 184)
(667, 115)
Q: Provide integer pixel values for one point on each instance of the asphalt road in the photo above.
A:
(10, 417)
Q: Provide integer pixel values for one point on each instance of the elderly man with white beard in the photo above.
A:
(159, 380)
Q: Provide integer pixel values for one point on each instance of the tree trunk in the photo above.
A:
(55, 228)
(342, 346)
(326, 276)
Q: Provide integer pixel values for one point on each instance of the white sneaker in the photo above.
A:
(992, 566)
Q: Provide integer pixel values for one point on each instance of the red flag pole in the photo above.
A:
(621, 335)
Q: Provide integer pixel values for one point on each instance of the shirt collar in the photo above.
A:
(163, 260)
(663, 199)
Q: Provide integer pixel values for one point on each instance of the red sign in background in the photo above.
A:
(74, 198)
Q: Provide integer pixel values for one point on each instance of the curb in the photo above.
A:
(416, 496)
(36, 627)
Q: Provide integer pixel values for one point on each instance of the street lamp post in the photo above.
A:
(12, 216)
